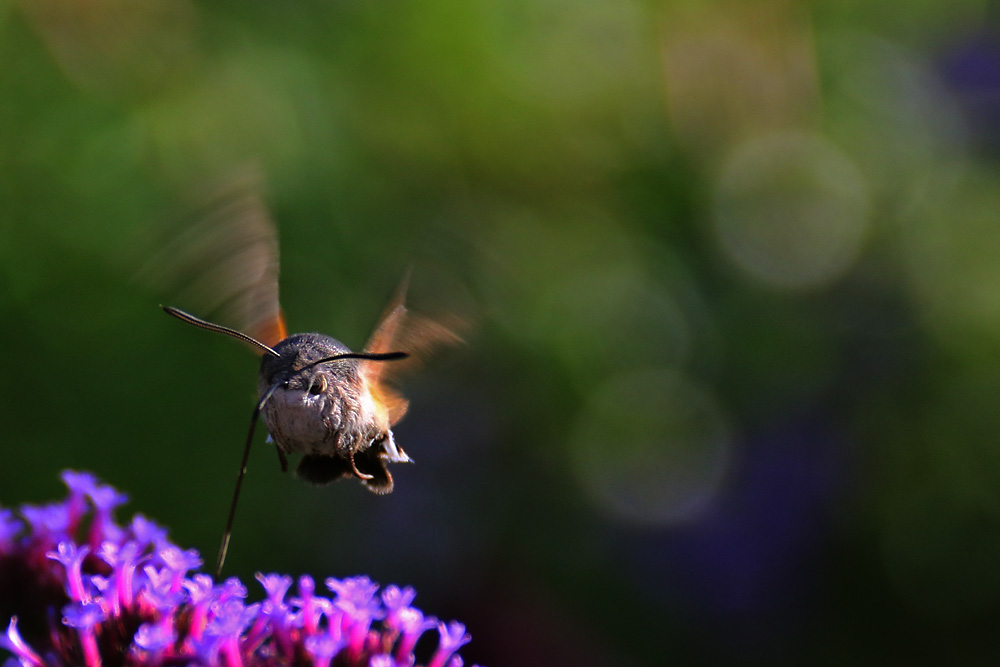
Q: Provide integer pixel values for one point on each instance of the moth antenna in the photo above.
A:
(202, 324)
(227, 533)
(370, 356)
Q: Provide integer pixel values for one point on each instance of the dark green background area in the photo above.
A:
(732, 270)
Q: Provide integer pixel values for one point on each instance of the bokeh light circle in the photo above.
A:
(791, 210)
(651, 447)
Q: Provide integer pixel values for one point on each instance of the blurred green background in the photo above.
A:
(732, 393)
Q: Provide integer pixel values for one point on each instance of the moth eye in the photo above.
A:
(318, 385)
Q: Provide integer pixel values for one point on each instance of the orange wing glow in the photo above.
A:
(271, 331)
(399, 330)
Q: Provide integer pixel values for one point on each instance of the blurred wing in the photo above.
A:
(224, 264)
(399, 330)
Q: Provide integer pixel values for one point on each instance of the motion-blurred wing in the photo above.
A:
(399, 330)
(222, 260)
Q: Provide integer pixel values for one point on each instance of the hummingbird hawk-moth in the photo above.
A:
(317, 398)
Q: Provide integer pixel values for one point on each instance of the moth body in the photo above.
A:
(327, 413)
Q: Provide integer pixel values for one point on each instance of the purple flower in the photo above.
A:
(84, 616)
(411, 623)
(275, 612)
(356, 599)
(13, 642)
(323, 648)
(102, 527)
(92, 592)
(154, 637)
(179, 562)
(394, 597)
(147, 532)
(160, 591)
(51, 521)
(10, 527)
(80, 485)
(123, 560)
(310, 606)
(71, 558)
(453, 637)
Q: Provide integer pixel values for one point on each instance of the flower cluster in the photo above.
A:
(81, 590)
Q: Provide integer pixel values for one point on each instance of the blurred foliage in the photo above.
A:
(731, 393)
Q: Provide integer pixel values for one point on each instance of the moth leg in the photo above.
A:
(380, 486)
(282, 459)
(354, 468)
